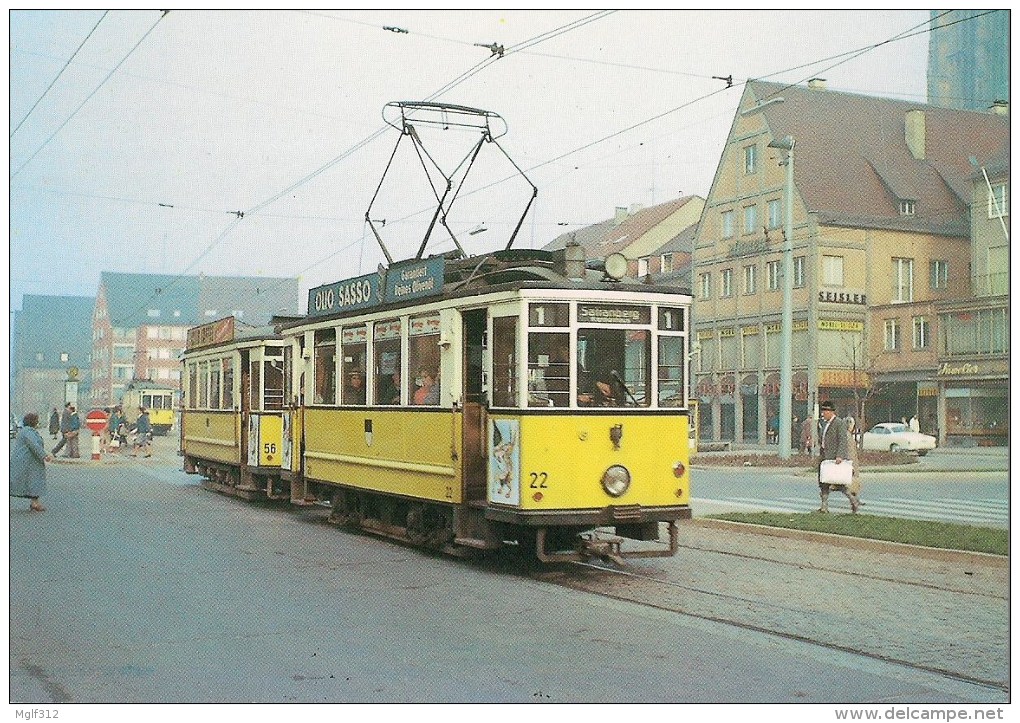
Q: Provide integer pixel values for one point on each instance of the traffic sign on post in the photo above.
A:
(96, 421)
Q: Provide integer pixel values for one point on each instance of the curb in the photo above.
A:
(858, 543)
(801, 472)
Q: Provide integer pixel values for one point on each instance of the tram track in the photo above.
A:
(695, 601)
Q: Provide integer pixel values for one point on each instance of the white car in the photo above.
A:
(896, 437)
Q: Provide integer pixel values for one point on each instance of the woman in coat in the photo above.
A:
(28, 463)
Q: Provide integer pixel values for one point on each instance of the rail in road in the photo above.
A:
(980, 512)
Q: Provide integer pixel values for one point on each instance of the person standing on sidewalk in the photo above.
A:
(833, 445)
(28, 463)
(854, 490)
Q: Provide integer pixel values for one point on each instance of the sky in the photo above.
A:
(253, 142)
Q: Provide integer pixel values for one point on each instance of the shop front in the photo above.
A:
(973, 408)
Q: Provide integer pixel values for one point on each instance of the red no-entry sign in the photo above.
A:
(96, 420)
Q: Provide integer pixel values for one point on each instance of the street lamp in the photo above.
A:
(786, 328)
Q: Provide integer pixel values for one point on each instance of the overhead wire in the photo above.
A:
(60, 73)
(81, 105)
(357, 146)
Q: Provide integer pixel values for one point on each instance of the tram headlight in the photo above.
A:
(616, 480)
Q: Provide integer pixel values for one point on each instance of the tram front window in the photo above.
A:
(548, 369)
(613, 367)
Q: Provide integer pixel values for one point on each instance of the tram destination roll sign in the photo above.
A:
(400, 282)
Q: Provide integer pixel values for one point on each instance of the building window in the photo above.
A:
(749, 279)
(920, 332)
(903, 280)
(907, 208)
(726, 282)
(750, 219)
(727, 224)
(998, 201)
(772, 275)
(750, 160)
(666, 264)
(939, 273)
(642, 267)
(892, 334)
(706, 285)
(775, 217)
(798, 272)
(832, 270)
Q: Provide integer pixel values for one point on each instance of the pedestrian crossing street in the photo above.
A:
(980, 512)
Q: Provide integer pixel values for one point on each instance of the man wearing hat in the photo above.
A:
(834, 445)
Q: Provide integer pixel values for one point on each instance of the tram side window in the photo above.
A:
(272, 394)
(387, 362)
(214, 385)
(203, 385)
(192, 386)
(228, 383)
(254, 384)
(424, 384)
(325, 367)
(613, 367)
(504, 361)
(354, 357)
(671, 371)
(548, 369)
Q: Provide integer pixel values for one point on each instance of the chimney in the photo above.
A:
(816, 84)
(1000, 107)
(914, 133)
(621, 214)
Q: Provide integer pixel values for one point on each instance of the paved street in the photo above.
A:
(138, 586)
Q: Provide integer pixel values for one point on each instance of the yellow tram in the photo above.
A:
(460, 404)
(159, 399)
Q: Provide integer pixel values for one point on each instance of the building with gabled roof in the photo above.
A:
(881, 236)
(51, 347)
(140, 321)
(638, 233)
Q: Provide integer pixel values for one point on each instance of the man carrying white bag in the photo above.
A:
(835, 469)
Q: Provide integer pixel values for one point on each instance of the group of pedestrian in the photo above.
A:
(69, 428)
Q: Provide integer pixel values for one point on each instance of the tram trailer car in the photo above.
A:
(233, 410)
(473, 404)
(158, 399)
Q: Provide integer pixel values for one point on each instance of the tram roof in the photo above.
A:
(502, 272)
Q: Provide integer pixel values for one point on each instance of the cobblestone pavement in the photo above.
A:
(936, 610)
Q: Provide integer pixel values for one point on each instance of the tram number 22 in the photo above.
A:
(539, 480)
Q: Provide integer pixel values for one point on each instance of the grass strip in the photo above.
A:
(941, 535)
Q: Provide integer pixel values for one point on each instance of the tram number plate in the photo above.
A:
(539, 480)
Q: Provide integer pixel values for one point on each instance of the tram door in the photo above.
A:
(474, 421)
(246, 385)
